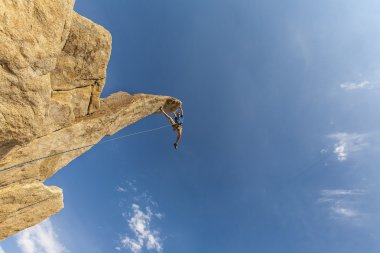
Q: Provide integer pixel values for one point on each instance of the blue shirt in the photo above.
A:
(179, 120)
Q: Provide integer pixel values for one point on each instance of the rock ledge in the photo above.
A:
(52, 71)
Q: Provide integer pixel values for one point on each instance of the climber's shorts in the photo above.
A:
(177, 127)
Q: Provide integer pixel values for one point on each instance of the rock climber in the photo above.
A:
(176, 123)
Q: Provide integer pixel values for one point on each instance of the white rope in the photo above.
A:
(78, 148)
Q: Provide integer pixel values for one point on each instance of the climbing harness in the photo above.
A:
(78, 148)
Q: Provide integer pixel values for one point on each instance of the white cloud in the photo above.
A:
(349, 86)
(120, 189)
(128, 186)
(1, 250)
(40, 239)
(342, 203)
(348, 143)
(139, 218)
(159, 215)
(139, 223)
(340, 192)
(345, 212)
(131, 185)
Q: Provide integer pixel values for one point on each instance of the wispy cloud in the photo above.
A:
(40, 239)
(341, 192)
(345, 212)
(1, 250)
(120, 189)
(362, 81)
(142, 235)
(126, 187)
(347, 143)
(350, 86)
(342, 203)
(139, 217)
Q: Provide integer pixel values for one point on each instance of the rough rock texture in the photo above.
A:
(52, 71)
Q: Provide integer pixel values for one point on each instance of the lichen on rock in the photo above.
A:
(52, 71)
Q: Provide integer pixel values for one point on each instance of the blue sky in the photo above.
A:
(281, 139)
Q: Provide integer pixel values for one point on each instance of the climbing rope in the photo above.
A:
(303, 170)
(78, 148)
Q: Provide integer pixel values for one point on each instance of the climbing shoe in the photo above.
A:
(175, 145)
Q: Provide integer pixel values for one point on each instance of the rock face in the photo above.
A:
(52, 71)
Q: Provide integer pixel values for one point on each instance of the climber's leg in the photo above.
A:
(179, 134)
(167, 116)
